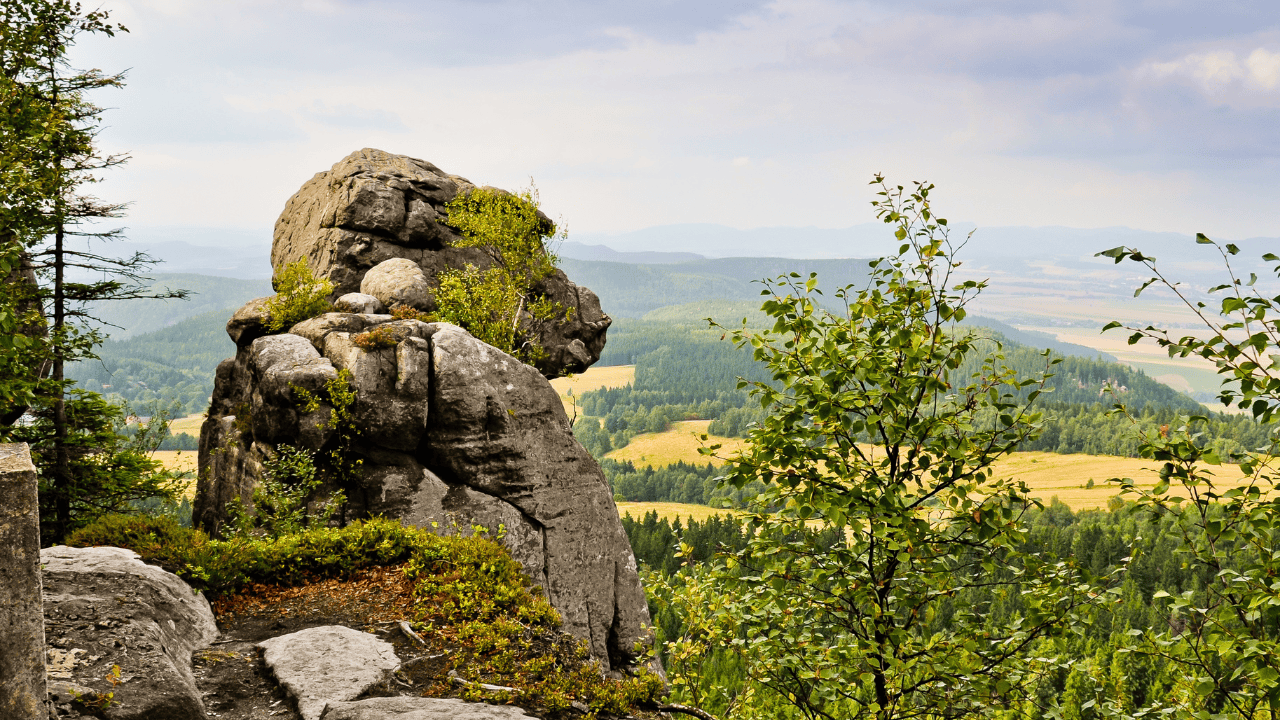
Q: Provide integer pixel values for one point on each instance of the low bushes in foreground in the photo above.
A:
(469, 596)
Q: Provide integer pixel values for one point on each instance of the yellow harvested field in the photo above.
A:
(189, 425)
(1048, 475)
(670, 511)
(184, 460)
(679, 443)
(612, 376)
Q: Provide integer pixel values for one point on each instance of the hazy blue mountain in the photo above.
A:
(631, 290)
(578, 251)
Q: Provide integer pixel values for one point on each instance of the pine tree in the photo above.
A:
(50, 150)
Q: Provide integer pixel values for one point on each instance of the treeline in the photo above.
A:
(678, 483)
(685, 373)
(1137, 551)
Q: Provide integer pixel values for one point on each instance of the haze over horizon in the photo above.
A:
(1159, 116)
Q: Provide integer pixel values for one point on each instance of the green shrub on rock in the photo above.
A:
(299, 296)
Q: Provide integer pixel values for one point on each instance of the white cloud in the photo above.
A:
(1264, 68)
(1219, 69)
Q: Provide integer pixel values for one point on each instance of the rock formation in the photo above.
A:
(22, 669)
(105, 608)
(372, 207)
(453, 432)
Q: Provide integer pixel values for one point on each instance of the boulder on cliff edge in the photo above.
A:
(373, 206)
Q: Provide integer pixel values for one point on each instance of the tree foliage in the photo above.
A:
(49, 132)
(855, 546)
(1226, 638)
(501, 305)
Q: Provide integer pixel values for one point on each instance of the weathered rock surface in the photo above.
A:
(454, 433)
(359, 303)
(399, 281)
(418, 708)
(22, 668)
(104, 607)
(372, 207)
(321, 665)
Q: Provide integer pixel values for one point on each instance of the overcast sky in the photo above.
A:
(1158, 115)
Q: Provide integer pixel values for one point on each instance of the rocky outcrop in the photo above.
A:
(373, 207)
(105, 608)
(322, 665)
(453, 433)
(22, 668)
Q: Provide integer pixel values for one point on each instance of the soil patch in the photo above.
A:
(236, 683)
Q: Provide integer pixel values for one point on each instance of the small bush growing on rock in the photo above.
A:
(280, 502)
(498, 305)
(300, 296)
(376, 339)
(406, 312)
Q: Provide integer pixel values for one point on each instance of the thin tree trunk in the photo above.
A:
(62, 479)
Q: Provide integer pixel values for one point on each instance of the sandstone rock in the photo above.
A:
(249, 322)
(499, 428)
(399, 281)
(22, 666)
(104, 607)
(417, 708)
(373, 218)
(455, 433)
(327, 664)
(359, 303)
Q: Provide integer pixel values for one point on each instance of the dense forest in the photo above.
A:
(1100, 541)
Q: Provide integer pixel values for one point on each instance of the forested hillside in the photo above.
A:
(1099, 541)
(172, 367)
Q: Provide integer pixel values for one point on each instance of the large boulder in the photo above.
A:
(452, 433)
(105, 608)
(374, 211)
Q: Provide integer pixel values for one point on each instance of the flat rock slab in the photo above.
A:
(322, 665)
(419, 708)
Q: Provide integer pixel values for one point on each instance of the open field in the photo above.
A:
(610, 376)
(670, 511)
(1048, 474)
(189, 425)
(679, 443)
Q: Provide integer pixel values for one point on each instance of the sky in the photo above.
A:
(1158, 115)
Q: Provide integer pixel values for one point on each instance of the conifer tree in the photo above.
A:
(48, 135)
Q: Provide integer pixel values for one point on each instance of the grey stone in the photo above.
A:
(455, 434)
(498, 427)
(249, 322)
(281, 365)
(399, 281)
(419, 708)
(327, 664)
(22, 661)
(374, 213)
(359, 303)
(104, 607)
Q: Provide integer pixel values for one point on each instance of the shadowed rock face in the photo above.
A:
(373, 207)
(454, 433)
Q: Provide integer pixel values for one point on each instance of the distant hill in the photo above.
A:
(127, 318)
(631, 290)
